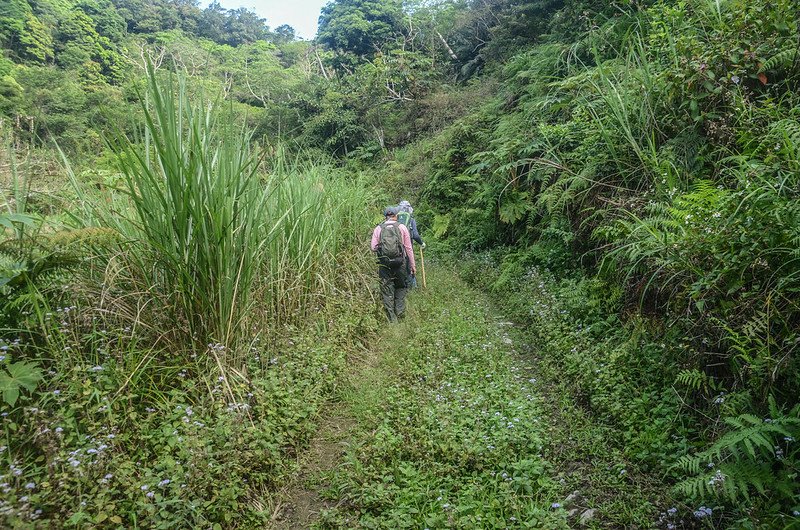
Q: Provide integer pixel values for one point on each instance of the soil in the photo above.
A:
(299, 505)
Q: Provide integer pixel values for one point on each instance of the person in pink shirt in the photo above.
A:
(391, 241)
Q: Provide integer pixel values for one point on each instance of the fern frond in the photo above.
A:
(743, 460)
(693, 380)
(783, 58)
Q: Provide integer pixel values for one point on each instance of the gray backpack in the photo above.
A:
(390, 246)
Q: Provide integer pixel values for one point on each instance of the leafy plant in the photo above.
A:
(36, 257)
(757, 455)
(18, 376)
(199, 207)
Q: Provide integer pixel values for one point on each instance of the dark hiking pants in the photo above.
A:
(393, 292)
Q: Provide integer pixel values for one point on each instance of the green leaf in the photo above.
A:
(10, 393)
(8, 220)
(514, 208)
(20, 375)
(27, 375)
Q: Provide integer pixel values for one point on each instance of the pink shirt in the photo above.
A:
(376, 238)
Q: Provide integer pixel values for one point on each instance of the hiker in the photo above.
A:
(405, 217)
(392, 243)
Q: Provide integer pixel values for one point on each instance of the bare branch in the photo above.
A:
(449, 49)
(321, 66)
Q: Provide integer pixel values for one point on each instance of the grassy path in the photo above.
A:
(446, 425)
(300, 504)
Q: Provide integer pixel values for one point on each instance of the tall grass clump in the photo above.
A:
(199, 207)
(315, 214)
(112, 416)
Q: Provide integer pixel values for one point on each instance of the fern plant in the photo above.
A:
(784, 59)
(757, 456)
(36, 257)
(696, 380)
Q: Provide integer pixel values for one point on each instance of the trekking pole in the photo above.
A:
(422, 263)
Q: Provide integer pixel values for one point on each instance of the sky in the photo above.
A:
(302, 15)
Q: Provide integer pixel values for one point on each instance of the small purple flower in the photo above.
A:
(702, 512)
(150, 494)
(30, 486)
(97, 368)
(735, 79)
(555, 505)
(145, 487)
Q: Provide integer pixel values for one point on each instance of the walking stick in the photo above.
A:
(422, 263)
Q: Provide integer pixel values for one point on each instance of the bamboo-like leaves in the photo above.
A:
(221, 234)
(199, 207)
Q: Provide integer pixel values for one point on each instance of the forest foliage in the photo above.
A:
(642, 157)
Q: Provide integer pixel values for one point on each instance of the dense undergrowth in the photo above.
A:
(629, 168)
(158, 368)
(651, 166)
(614, 368)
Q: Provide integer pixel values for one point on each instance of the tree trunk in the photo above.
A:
(449, 49)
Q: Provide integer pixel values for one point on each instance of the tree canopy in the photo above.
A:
(360, 28)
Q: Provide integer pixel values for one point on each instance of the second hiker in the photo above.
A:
(392, 243)
(405, 217)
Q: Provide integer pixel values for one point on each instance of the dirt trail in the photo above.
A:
(459, 339)
(299, 505)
